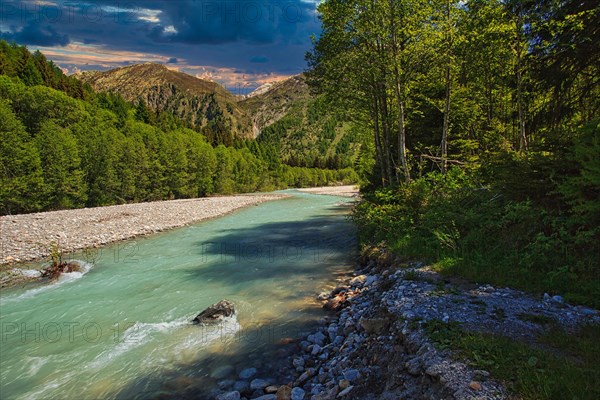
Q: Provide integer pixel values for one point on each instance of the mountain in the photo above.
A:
(272, 101)
(202, 104)
(301, 126)
(284, 115)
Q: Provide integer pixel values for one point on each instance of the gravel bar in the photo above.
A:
(344, 191)
(28, 237)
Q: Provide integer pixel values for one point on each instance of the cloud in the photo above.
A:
(172, 60)
(41, 35)
(256, 37)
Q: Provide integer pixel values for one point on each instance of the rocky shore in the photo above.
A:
(29, 237)
(374, 344)
(345, 191)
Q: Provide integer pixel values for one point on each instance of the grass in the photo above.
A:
(561, 366)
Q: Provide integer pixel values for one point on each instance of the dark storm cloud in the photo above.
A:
(255, 36)
(41, 35)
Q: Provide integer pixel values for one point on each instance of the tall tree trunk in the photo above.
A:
(385, 124)
(448, 78)
(523, 144)
(402, 159)
(378, 149)
(446, 127)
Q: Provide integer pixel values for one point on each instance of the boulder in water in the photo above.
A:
(220, 310)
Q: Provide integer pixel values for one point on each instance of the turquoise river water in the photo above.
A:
(121, 328)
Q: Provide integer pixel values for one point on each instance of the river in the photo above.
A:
(121, 328)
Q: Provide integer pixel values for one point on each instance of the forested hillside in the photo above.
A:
(73, 147)
(483, 117)
(202, 105)
(302, 129)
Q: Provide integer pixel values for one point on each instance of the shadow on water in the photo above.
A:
(276, 250)
(283, 251)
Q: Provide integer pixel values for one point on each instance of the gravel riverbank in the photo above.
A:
(345, 191)
(28, 237)
(374, 346)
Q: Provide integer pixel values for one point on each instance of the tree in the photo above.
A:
(21, 180)
(63, 177)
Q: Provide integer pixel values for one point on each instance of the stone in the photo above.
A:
(335, 303)
(306, 375)
(259, 384)
(351, 375)
(413, 366)
(216, 312)
(317, 338)
(315, 350)
(373, 325)
(286, 341)
(558, 300)
(547, 297)
(343, 383)
(247, 373)
(241, 386)
(358, 281)
(475, 385)
(371, 279)
(225, 384)
(297, 394)
(266, 397)
(284, 393)
(298, 362)
(345, 391)
(323, 296)
(229, 396)
(271, 389)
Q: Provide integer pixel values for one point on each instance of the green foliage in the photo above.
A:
(477, 232)
(33, 69)
(60, 152)
(20, 166)
(559, 366)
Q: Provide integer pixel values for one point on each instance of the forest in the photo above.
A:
(485, 137)
(63, 146)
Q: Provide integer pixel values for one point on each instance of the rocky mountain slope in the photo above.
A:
(300, 126)
(201, 103)
(271, 102)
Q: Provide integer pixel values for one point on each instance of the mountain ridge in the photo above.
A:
(204, 105)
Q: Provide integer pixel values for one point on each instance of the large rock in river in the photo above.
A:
(220, 310)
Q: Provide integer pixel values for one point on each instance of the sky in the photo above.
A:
(238, 43)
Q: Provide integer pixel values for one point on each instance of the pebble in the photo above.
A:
(266, 397)
(353, 349)
(345, 391)
(284, 393)
(241, 386)
(297, 393)
(259, 384)
(248, 373)
(351, 375)
(229, 396)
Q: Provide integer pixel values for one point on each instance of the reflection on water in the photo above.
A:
(122, 329)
